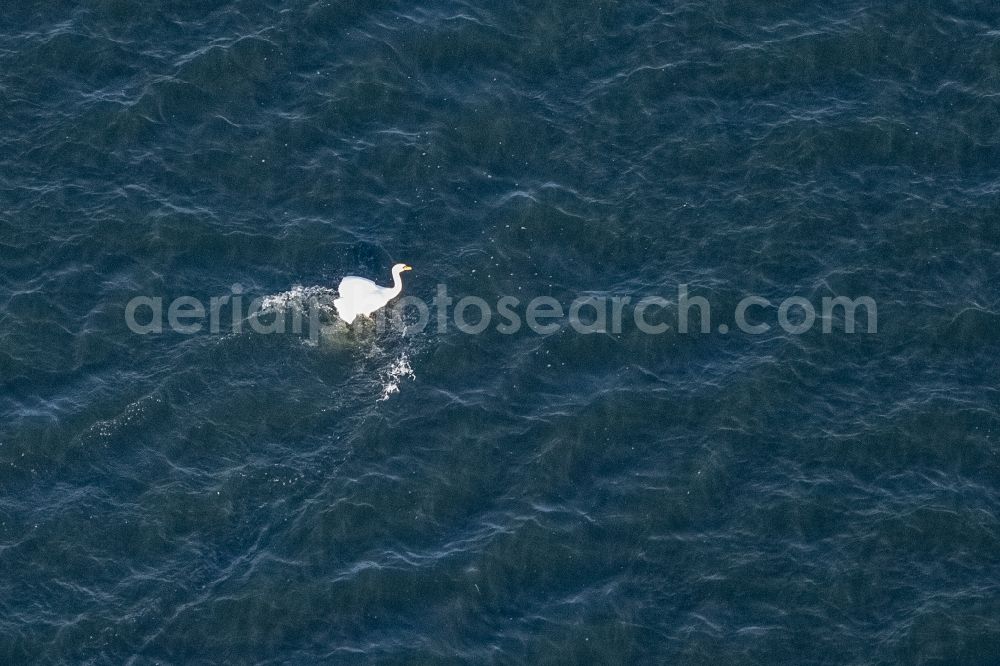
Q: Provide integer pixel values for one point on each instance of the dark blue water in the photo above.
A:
(424, 496)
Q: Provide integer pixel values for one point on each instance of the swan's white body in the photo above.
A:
(360, 296)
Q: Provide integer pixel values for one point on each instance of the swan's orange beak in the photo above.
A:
(407, 268)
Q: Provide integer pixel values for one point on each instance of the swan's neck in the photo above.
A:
(397, 283)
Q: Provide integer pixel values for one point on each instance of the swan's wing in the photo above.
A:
(352, 286)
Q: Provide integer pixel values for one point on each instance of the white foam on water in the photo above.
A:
(131, 415)
(299, 300)
(297, 297)
(399, 370)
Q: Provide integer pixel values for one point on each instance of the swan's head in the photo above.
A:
(399, 268)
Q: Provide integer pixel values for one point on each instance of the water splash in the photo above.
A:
(394, 374)
(299, 298)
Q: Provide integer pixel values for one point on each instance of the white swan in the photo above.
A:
(360, 296)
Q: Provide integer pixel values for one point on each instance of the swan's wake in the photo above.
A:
(394, 374)
(384, 362)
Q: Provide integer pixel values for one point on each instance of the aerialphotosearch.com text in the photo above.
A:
(685, 314)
